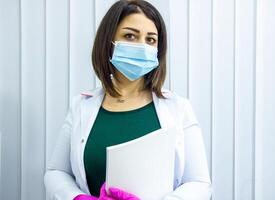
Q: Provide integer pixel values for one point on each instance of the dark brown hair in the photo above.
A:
(102, 49)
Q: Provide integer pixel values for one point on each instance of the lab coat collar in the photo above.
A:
(89, 109)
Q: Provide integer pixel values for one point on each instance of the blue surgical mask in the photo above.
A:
(134, 60)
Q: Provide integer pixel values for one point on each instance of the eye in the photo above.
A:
(151, 40)
(130, 36)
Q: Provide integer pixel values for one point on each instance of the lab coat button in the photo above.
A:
(82, 141)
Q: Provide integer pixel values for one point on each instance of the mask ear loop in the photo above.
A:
(111, 75)
(113, 80)
(113, 43)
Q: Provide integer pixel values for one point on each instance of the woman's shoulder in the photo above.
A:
(92, 93)
(182, 105)
(174, 96)
(85, 95)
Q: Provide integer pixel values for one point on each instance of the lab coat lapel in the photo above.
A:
(89, 110)
(164, 112)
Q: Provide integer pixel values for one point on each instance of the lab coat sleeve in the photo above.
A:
(59, 179)
(195, 183)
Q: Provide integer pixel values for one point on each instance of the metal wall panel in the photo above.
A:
(81, 34)
(200, 66)
(265, 109)
(10, 95)
(33, 84)
(57, 69)
(179, 43)
(245, 27)
(223, 99)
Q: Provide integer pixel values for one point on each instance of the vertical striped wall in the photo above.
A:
(221, 56)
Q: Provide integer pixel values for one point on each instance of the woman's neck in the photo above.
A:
(131, 91)
(128, 88)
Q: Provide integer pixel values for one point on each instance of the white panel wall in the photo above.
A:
(200, 66)
(57, 68)
(223, 99)
(179, 45)
(221, 57)
(265, 98)
(10, 100)
(244, 82)
(33, 98)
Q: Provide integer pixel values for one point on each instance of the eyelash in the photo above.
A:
(150, 38)
(129, 36)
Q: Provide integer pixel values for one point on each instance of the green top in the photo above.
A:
(111, 128)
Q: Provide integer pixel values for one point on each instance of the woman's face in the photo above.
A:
(137, 28)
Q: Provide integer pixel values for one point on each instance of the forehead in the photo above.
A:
(138, 21)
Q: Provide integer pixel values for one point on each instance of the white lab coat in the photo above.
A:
(65, 175)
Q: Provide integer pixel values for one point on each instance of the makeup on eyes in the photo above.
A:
(132, 34)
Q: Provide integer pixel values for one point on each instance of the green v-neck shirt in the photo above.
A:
(111, 128)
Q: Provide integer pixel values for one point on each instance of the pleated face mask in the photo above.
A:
(134, 60)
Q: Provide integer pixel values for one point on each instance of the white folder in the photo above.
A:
(143, 166)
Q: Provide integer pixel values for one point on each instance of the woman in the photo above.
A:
(129, 58)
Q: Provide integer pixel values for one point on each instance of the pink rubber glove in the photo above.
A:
(85, 197)
(103, 195)
(119, 194)
(115, 194)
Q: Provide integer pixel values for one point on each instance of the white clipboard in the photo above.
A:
(144, 166)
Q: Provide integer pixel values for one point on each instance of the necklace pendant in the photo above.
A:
(120, 100)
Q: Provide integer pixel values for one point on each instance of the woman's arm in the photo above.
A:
(196, 184)
(59, 180)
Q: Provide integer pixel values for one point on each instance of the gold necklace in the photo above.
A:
(120, 100)
(124, 100)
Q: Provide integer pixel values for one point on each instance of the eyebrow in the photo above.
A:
(137, 31)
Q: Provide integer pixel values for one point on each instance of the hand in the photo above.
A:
(85, 197)
(115, 194)
(119, 194)
(103, 194)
